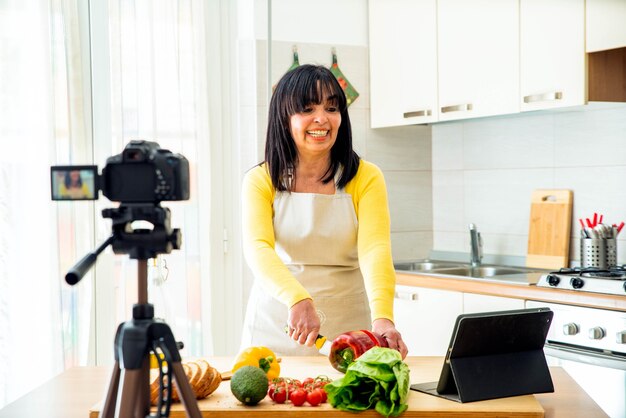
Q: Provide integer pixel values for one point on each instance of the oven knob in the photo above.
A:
(570, 329)
(576, 282)
(596, 333)
(620, 337)
(553, 280)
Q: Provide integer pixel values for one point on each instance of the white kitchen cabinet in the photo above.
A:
(426, 317)
(485, 303)
(606, 24)
(552, 53)
(403, 62)
(478, 58)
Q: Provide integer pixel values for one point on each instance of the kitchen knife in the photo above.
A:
(321, 343)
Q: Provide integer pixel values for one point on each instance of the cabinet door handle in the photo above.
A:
(545, 97)
(425, 112)
(406, 295)
(457, 108)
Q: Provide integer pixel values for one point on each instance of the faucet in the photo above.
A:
(476, 242)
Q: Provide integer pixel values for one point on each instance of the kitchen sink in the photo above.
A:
(425, 265)
(482, 271)
(439, 268)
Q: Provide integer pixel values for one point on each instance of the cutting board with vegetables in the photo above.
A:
(549, 229)
(422, 369)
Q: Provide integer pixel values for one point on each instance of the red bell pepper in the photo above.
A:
(350, 345)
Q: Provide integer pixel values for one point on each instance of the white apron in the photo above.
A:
(316, 238)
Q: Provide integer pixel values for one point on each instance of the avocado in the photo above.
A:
(249, 385)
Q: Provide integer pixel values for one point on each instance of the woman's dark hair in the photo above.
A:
(68, 181)
(297, 90)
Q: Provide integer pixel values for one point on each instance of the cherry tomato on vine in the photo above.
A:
(298, 397)
(321, 381)
(280, 395)
(323, 394)
(314, 397)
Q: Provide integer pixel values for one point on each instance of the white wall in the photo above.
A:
(319, 21)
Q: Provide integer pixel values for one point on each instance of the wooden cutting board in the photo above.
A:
(549, 229)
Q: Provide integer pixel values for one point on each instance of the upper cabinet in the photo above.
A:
(478, 70)
(606, 24)
(403, 62)
(606, 47)
(440, 60)
(552, 56)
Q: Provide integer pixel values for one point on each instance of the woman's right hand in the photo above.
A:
(303, 322)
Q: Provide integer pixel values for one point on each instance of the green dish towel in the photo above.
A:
(348, 89)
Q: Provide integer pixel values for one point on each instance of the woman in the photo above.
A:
(73, 186)
(315, 225)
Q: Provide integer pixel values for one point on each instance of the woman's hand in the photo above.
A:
(388, 331)
(303, 322)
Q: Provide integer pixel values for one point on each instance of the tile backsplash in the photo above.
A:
(484, 171)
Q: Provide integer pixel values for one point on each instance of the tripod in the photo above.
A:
(128, 395)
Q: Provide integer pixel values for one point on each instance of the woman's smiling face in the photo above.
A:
(314, 129)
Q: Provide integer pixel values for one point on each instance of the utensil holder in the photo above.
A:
(598, 252)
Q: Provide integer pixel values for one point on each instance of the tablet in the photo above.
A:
(495, 354)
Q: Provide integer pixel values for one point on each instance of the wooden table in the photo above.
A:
(75, 392)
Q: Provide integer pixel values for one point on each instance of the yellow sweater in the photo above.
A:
(369, 195)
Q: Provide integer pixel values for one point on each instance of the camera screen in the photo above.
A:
(74, 182)
(129, 182)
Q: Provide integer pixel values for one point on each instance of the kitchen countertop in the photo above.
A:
(528, 292)
(75, 392)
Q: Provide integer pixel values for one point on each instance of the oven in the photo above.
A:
(590, 344)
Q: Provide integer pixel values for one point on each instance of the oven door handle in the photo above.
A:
(585, 356)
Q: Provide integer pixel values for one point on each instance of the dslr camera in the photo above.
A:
(142, 173)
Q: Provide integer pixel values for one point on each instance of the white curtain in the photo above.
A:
(158, 92)
(43, 323)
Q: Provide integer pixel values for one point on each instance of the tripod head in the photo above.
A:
(139, 244)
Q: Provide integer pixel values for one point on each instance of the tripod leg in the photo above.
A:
(184, 389)
(143, 403)
(130, 404)
(108, 410)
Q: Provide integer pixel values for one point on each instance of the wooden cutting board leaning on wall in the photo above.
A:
(549, 229)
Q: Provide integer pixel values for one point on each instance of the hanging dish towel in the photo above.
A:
(348, 89)
(294, 64)
(296, 61)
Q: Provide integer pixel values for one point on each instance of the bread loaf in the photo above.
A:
(203, 379)
(209, 380)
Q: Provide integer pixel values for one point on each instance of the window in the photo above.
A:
(74, 89)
